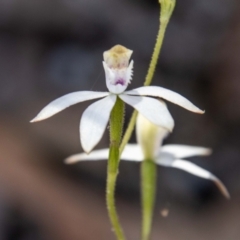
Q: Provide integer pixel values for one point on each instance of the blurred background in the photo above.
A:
(51, 48)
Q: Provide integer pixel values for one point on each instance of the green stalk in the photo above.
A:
(116, 125)
(129, 131)
(148, 167)
(166, 10)
(148, 192)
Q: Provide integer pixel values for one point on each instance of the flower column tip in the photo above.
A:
(117, 57)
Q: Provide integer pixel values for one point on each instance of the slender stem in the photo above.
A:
(156, 52)
(129, 130)
(148, 192)
(116, 125)
(158, 45)
(148, 169)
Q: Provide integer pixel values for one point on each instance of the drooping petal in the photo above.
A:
(65, 101)
(165, 94)
(185, 151)
(94, 121)
(131, 152)
(154, 110)
(168, 161)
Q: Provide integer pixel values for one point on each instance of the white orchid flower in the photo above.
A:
(170, 155)
(118, 74)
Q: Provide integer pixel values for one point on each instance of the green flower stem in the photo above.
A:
(116, 125)
(156, 52)
(128, 132)
(167, 7)
(148, 192)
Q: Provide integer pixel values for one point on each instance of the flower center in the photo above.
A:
(117, 68)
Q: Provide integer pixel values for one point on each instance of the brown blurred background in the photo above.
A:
(50, 48)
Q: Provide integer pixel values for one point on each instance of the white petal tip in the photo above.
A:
(87, 151)
(227, 196)
(70, 160)
(34, 120)
(37, 119)
(208, 152)
(76, 158)
(87, 148)
(200, 111)
(222, 189)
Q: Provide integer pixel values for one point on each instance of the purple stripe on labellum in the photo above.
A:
(120, 81)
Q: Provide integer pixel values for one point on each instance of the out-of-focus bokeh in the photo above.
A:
(51, 48)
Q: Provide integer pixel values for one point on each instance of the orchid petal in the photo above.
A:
(94, 121)
(185, 151)
(154, 110)
(168, 161)
(93, 156)
(165, 94)
(65, 101)
(131, 152)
